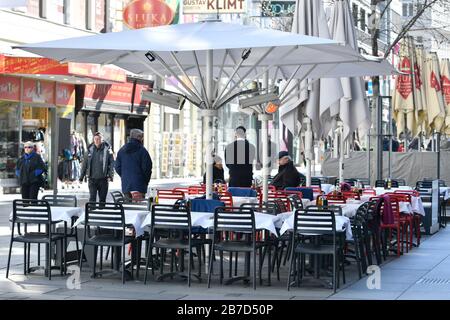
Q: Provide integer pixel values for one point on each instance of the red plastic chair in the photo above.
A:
(170, 195)
(351, 195)
(227, 199)
(278, 195)
(397, 225)
(197, 190)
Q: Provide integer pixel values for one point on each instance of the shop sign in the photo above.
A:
(404, 83)
(9, 88)
(214, 6)
(115, 93)
(37, 91)
(277, 8)
(65, 94)
(97, 71)
(149, 13)
(23, 65)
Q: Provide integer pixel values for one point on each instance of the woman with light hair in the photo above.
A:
(218, 173)
(29, 171)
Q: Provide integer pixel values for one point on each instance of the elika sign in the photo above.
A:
(214, 6)
(147, 13)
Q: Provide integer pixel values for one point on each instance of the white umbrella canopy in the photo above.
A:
(353, 108)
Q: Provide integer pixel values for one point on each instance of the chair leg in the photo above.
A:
(290, 271)
(95, 262)
(101, 258)
(190, 265)
(149, 258)
(254, 268)
(24, 258)
(123, 264)
(28, 257)
(9, 257)
(334, 273)
(221, 266)
(230, 265)
(48, 254)
(211, 253)
(81, 257)
(63, 257)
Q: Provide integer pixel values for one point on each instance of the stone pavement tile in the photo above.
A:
(430, 287)
(368, 294)
(423, 295)
(400, 275)
(385, 286)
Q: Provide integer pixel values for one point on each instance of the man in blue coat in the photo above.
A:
(134, 165)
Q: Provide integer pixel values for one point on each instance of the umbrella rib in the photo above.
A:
(177, 62)
(304, 77)
(221, 69)
(230, 92)
(301, 89)
(200, 75)
(231, 77)
(290, 79)
(144, 62)
(169, 69)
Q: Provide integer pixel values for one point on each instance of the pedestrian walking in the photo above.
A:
(239, 158)
(98, 166)
(29, 170)
(134, 166)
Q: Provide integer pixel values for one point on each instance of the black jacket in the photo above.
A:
(287, 176)
(239, 158)
(134, 166)
(107, 162)
(30, 168)
(218, 174)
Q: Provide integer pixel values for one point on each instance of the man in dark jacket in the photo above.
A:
(287, 175)
(29, 170)
(218, 174)
(239, 158)
(134, 165)
(98, 166)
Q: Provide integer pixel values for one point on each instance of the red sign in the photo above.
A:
(65, 94)
(33, 66)
(115, 93)
(434, 82)
(446, 89)
(147, 13)
(9, 88)
(404, 84)
(97, 71)
(417, 76)
(37, 91)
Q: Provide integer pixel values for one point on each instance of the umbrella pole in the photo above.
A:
(55, 151)
(209, 116)
(265, 118)
(308, 151)
(341, 151)
(390, 141)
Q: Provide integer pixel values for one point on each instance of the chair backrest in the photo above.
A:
(144, 205)
(351, 195)
(400, 182)
(109, 214)
(363, 181)
(379, 184)
(278, 196)
(369, 191)
(227, 198)
(171, 218)
(185, 190)
(60, 200)
(241, 220)
(31, 211)
(170, 194)
(242, 192)
(313, 221)
(401, 197)
(413, 193)
(265, 207)
(316, 182)
(339, 197)
(295, 201)
(307, 193)
(336, 209)
(118, 197)
(205, 205)
(196, 190)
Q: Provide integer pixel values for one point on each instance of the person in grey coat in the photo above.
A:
(98, 166)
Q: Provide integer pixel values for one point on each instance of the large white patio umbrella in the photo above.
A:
(206, 47)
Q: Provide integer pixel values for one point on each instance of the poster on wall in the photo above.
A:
(37, 91)
(9, 88)
(151, 13)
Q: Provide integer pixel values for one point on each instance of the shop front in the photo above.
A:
(113, 110)
(37, 103)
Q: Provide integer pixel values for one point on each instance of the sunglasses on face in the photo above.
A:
(28, 147)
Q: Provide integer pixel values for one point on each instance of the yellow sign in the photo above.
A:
(214, 6)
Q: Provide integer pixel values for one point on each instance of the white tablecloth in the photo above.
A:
(380, 191)
(348, 209)
(132, 217)
(327, 188)
(201, 219)
(445, 191)
(62, 213)
(237, 201)
(342, 224)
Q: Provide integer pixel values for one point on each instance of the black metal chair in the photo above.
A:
(61, 200)
(380, 184)
(108, 221)
(316, 182)
(32, 213)
(171, 229)
(238, 226)
(295, 201)
(118, 197)
(400, 182)
(314, 223)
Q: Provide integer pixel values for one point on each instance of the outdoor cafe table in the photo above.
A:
(62, 213)
(416, 205)
(132, 217)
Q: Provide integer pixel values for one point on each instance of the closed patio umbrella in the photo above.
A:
(445, 83)
(434, 96)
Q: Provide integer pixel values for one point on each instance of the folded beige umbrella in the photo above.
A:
(419, 85)
(445, 83)
(434, 97)
(403, 96)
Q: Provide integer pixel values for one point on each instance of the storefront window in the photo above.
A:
(35, 127)
(9, 138)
